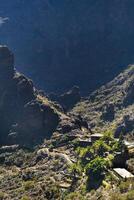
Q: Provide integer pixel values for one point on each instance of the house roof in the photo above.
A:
(129, 144)
(123, 173)
(97, 135)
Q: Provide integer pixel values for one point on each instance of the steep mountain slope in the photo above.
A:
(26, 116)
(64, 43)
(35, 138)
(111, 106)
(43, 150)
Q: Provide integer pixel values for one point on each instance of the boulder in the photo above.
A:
(42, 154)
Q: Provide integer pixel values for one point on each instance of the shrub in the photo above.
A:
(108, 136)
(76, 168)
(96, 166)
(100, 147)
(75, 196)
(124, 186)
(130, 195)
(2, 195)
(28, 185)
(82, 152)
(25, 198)
(50, 189)
(116, 196)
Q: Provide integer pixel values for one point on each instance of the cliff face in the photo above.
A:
(24, 118)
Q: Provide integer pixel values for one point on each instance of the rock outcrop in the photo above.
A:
(129, 97)
(23, 117)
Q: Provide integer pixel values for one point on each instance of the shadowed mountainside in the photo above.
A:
(25, 116)
(64, 43)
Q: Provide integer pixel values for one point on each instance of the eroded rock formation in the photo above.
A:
(23, 118)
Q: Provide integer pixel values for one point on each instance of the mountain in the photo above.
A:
(32, 130)
(49, 152)
(111, 106)
(26, 116)
(64, 43)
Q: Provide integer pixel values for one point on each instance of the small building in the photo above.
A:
(123, 173)
(65, 185)
(84, 142)
(95, 137)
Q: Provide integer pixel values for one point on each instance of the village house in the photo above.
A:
(123, 174)
(95, 137)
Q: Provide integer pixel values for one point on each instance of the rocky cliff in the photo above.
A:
(25, 116)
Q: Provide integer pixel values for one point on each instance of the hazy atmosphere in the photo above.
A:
(58, 42)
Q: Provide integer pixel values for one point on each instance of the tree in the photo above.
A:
(100, 148)
(97, 166)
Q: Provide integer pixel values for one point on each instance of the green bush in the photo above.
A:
(28, 185)
(96, 166)
(124, 186)
(2, 195)
(130, 195)
(116, 196)
(76, 168)
(25, 198)
(100, 147)
(50, 189)
(75, 196)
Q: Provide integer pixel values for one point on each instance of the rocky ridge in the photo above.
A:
(111, 106)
